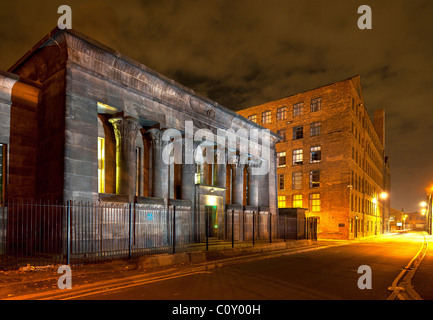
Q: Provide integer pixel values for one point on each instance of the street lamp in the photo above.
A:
(383, 196)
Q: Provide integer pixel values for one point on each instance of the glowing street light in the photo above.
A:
(384, 195)
(423, 204)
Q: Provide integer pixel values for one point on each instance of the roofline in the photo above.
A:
(136, 64)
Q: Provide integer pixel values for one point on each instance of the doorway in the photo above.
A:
(312, 228)
(211, 220)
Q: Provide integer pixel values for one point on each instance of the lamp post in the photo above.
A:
(383, 196)
(429, 212)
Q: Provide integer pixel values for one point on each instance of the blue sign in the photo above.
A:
(150, 216)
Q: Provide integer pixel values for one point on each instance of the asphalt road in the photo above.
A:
(329, 273)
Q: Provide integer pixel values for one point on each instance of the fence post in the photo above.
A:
(207, 227)
(68, 232)
(130, 231)
(174, 229)
(270, 227)
(233, 228)
(254, 214)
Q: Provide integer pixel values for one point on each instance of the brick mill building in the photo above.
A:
(82, 122)
(331, 160)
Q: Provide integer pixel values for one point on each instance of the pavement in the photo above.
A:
(42, 282)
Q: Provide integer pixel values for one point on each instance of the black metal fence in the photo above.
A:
(76, 232)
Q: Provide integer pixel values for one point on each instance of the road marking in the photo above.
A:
(103, 287)
(403, 289)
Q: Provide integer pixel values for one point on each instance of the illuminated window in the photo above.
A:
(198, 174)
(314, 179)
(297, 109)
(2, 172)
(101, 165)
(297, 201)
(315, 129)
(281, 113)
(253, 118)
(281, 159)
(266, 117)
(315, 202)
(281, 201)
(298, 156)
(297, 180)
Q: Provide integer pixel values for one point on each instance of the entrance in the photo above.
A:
(312, 228)
(211, 222)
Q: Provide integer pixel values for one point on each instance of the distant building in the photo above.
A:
(331, 159)
(415, 221)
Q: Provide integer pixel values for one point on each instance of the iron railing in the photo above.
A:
(74, 233)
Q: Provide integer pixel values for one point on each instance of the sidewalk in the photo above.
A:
(39, 282)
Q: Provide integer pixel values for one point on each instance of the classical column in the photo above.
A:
(263, 186)
(187, 176)
(159, 167)
(253, 188)
(238, 185)
(221, 168)
(125, 130)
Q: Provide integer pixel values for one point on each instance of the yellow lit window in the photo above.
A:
(315, 202)
(297, 201)
(282, 202)
(101, 165)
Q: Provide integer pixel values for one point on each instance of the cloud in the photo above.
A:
(242, 53)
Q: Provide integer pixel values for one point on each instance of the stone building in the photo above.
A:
(82, 122)
(331, 160)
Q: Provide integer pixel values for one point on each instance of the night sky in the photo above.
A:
(242, 53)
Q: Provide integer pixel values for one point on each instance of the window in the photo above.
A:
(297, 180)
(315, 202)
(198, 177)
(281, 113)
(282, 202)
(281, 159)
(314, 179)
(253, 118)
(315, 154)
(297, 109)
(281, 182)
(297, 201)
(298, 156)
(316, 105)
(2, 173)
(266, 117)
(101, 165)
(282, 133)
(315, 129)
(298, 133)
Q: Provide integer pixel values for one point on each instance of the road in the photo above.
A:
(329, 273)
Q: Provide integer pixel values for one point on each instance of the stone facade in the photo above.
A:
(331, 158)
(78, 97)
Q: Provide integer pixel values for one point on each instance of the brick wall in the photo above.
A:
(350, 167)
